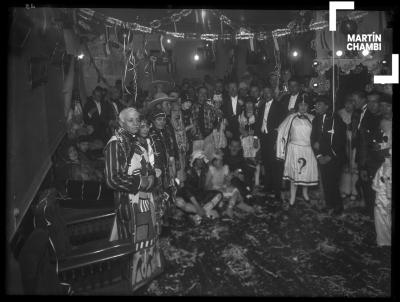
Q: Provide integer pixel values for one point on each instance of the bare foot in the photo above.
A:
(245, 207)
(229, 212)
(212, 214)
(306, 197)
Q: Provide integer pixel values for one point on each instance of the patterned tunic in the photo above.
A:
(126, 161)
(165, 186)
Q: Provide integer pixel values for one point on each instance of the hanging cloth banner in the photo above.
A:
(276, 43)
(252, 44)
(68, 86)
(107, 46)
(161, 43)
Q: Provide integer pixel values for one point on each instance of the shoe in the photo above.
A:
(196, 219)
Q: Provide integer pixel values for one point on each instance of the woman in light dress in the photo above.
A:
(294, 147)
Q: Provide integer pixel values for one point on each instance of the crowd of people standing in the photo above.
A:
(208, 150)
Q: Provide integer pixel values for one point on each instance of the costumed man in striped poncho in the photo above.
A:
(129, 173)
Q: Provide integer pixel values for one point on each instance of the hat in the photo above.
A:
(198, 154)
(159, 98)
(242, 85)
(157, 113)
(323, 99)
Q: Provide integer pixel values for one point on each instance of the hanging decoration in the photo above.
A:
(300, 26)
(106, 44)
(99, 75)
(162, 43)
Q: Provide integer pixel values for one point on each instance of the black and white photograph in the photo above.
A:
(187, 151)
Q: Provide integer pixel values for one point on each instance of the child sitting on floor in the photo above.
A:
(219, 178)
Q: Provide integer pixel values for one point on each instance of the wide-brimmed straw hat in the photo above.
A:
(159, 98)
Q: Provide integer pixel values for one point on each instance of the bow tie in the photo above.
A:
(302, 116)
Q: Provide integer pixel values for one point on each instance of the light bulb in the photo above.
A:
(196, 57)
(339, 53)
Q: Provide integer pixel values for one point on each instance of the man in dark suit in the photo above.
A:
(368, 161)
(96, 113)
(289, 101)
(231, 109)
(328, 140)
(268, 120)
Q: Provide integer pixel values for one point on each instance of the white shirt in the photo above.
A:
(98, 107)
(292, 101)
(323, 122)
(258, 101)
(234, 100)
(115, 107)
(364, 109)
(266, 112)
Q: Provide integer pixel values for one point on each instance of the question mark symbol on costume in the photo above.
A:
(303, 161)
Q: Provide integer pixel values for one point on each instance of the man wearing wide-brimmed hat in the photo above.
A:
(163, 102)
(164, 158)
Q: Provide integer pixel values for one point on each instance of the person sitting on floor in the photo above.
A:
(192, 197)
(219, 178)
(242, 174)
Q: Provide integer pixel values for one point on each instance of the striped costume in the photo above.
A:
(126, 162)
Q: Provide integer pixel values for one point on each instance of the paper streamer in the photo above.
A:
(252, 44)
(161, 43)
(68, 86)
(276, 43)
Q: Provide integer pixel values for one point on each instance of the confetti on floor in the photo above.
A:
(277, 251)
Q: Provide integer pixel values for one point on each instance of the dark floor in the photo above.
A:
(280, 251)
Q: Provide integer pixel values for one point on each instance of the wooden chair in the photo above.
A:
(93, 264)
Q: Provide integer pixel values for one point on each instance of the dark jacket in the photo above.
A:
(98, 121)
(233, 123)
(275, 117)
(369, 129)
(284, 103)
(194, 184)
(332, 144)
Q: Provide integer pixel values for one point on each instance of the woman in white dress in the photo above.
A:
(294, 147)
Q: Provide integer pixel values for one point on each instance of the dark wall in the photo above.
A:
(35, 121)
